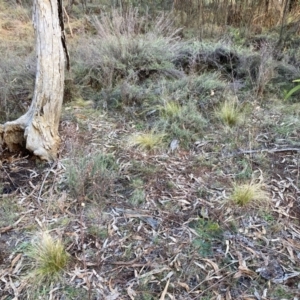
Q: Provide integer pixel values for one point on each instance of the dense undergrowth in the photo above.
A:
(178, 175)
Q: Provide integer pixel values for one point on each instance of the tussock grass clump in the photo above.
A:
(170, 109)
(138, 194)
(184, 123)
(147, 141)
(229, 112)
(49, 256)
(248, 193)
(204, 89)
(90, 176)
(127, 47)
(206, 83)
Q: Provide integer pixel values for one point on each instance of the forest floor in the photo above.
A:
(165, 187)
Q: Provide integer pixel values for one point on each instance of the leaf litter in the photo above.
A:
(184, 241)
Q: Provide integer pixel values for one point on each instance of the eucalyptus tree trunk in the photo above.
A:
(37, 130)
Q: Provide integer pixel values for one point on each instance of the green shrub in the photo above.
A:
(208, 231)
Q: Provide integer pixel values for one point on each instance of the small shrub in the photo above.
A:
(244, 194)
(49, 256)
(208, 232)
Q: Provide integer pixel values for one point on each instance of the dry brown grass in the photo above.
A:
(15, 24)
(255, 15)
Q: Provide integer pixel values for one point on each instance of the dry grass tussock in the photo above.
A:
(127, 48)
(132, 24)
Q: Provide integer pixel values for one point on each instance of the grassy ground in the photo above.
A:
(178, 175)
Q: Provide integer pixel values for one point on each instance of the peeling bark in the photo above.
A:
(37, 130)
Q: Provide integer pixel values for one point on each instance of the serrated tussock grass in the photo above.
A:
(248, 194)
(90, 176)
(147, 141)
(229, 112)
(184, 123)
(126, 47)
(170, 109)
(49, 257)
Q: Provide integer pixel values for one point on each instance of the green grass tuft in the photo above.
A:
(147, 141)
(49, 256)
(184, 123)
(229, 113)
(244, 194)
(90, 176)
(170, 109)
(138, 195)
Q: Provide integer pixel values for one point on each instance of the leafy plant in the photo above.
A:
(207, 231)
(293, 90)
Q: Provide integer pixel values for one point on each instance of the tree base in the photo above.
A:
(37, 130)
(37, 137)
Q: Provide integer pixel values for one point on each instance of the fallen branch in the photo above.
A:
(276, 150)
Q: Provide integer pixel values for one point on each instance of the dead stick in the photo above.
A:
(240, 152)
(68, 20)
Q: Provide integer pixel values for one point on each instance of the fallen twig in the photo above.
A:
(276, 150)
